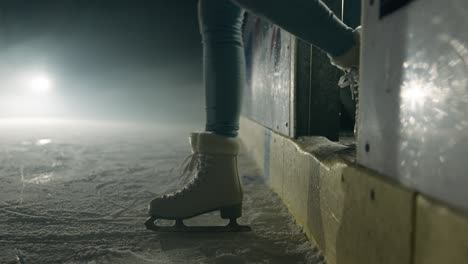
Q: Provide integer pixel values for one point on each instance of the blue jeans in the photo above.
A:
(223, 59)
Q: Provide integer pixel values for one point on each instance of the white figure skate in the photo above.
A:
(215, 187)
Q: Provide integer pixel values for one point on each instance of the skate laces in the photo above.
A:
(187, 167)
(193, 162)
(350, 78)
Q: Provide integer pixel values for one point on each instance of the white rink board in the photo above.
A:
(413, 124)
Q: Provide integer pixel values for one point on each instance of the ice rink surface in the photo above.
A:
(77, 192)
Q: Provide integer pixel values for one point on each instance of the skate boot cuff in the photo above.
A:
(350, 59)
(216, 144)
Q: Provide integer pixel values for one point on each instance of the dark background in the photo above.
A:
(109, 59)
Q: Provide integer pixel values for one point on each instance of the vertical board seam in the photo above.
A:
(413, 228)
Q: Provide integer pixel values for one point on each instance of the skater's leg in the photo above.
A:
(311, 20)
(215, 151)
(224, 64)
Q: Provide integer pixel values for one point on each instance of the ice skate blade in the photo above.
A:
(233, 226)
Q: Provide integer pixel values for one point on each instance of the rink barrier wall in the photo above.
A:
(353, 214)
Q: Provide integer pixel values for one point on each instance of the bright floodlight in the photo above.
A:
(40, 84)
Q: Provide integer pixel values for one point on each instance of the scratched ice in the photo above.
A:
(83, 199)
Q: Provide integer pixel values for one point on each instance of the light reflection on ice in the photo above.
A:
(40, 178)
(44, 141)
(165, 222)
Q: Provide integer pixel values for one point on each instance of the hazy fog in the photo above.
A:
(112, 60)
